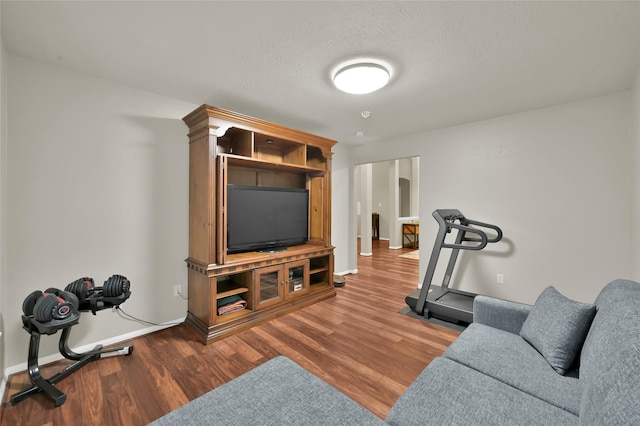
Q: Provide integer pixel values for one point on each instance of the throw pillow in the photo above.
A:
(557, 327)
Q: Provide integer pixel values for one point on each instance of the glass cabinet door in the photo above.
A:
(296, 278)
(269, 283)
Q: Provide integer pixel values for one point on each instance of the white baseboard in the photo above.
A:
(85, 348)
(366, 254)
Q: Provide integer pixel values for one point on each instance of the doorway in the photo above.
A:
(387, 196)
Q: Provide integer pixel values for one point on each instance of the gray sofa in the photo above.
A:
(555, 362)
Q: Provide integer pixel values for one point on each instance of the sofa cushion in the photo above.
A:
(510, 359)
(449, 393)
(557, 327)
(278, 392)
(610, 360)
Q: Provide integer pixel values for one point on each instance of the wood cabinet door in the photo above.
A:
(268, 286)
(296, 278)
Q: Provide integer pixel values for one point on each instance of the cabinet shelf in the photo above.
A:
(234, 315)
(269, 148)
(316, 282)
(320, 275)
(231, 292)
(242, 161)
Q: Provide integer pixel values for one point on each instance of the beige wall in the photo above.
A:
(97, 185)
(3, 182)
(557, 180)
(635, 219)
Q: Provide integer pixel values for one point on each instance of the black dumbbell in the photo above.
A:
(84, 288)
(52, 304)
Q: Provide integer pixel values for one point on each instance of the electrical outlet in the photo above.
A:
(177, 290)
(500, 278)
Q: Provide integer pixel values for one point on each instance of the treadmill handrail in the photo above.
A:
(497, 238)
(483, 238)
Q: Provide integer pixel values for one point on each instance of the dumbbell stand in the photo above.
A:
(96, 351)
(40, 384)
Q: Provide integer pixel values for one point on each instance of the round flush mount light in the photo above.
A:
(361, 77)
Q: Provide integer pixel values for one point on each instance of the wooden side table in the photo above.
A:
(410, 235)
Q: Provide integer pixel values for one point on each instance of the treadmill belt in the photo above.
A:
(460, 301)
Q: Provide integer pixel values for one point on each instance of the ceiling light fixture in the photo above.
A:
(361, 77)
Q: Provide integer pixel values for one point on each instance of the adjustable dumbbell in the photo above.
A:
(52, 304)
(84, 288)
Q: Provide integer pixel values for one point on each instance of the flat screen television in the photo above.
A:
(266, 219)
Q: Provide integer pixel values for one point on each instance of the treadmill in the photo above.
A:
(441, 302)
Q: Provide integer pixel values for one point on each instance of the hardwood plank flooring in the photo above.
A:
(356, 341)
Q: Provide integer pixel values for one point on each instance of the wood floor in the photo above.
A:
(356, 341)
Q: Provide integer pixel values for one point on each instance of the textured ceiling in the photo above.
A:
(453, 62)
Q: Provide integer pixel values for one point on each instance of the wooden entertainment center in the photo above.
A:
(231, 148)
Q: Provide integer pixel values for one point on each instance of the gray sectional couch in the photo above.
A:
(555, 362)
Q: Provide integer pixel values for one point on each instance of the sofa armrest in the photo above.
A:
(503, 314)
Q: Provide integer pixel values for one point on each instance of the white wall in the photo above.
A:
(380, 201)
(635, 220)
(97, 185)
(3, 182)
(341, 218)
(557, 181)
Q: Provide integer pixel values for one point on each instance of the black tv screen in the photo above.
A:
(265, 218)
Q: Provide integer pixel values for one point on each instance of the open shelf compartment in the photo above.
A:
(234, 285)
